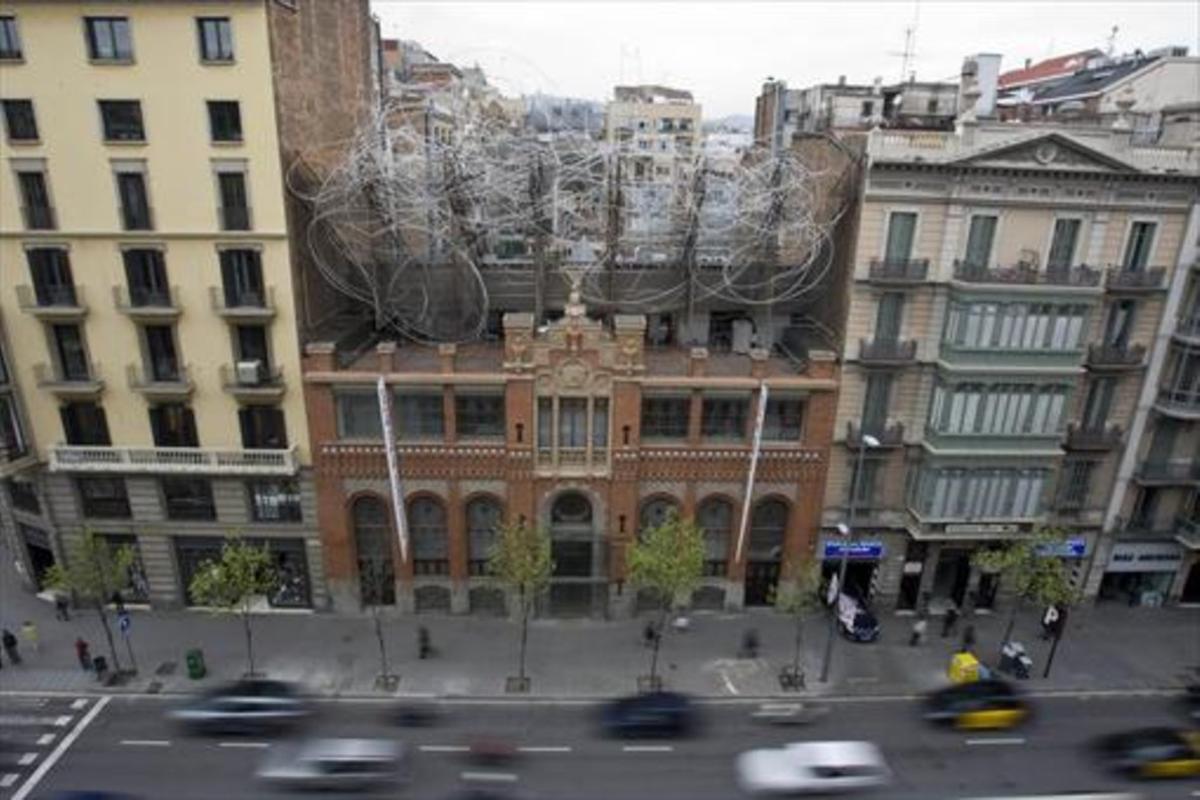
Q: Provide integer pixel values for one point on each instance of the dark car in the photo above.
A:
(246, 706)
(1151, 753)
(978, 705)
(651, 714)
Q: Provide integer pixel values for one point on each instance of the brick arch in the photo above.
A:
(599, 507)
(375, 552)
(766, 537)
(430, 537)
(719, 547)
(655, 500)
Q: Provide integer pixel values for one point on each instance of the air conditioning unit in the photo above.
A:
(249, 372)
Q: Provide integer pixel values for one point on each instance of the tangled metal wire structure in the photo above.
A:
(424, 229)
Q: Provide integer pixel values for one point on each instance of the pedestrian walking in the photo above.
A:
(62, 607)
(29, 633)
(118, 601)
(9, 641)
(918, 631)
(968, 640)
(84, 654)
(649, 635)
(949, 621)
(750, 644)
(424, 648)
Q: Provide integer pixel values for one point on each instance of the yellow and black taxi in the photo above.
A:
(1152, 753)
(978, 705)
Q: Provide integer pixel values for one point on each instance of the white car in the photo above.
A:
(812, 767)
(335, 764)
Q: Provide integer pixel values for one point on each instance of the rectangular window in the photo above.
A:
(979, 241)
(122, 120)
(23, 496)
(216, 39)
(241, 274)
(188, 499)
(85, 424)
(146, 273)
(109, 38)
(173, 425)
(1062, 245)
(600, 422)
(275, 500)
(1098, 404)
(864, 481)
(1076, 483)
(1119, 328)
(572, 423)
(35, 197)
(162, 360)
(888, 317)
(20, 121)
(235, 206)
(479, 415)
(1137, 249)
(875, 404)
(251, 341)
(135, 201)
(10, 40)
(419, 416)
(225, 120)
(263, 428)
(358, 416)
(724, 417)
(71, 353)
(12, 438)
(50, 269)
(103, 497)
(784, 419)
(545, 424)
(665, 417)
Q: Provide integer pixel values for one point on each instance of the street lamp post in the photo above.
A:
(845, 528)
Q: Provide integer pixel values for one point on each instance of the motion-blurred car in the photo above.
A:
(651, 714)
(978, 705)
(1191, 701)
(246, 706)
(856, 622)
(804, 767)
(415, 715)
(344, 765)
(1151, 753)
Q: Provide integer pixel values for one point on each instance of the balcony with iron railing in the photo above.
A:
(263, 383)
(39, 218)
(69, 383)
(1133, 281)
(1168, 529)
(1106, 437)
(166, 380)
(1187, 330)
(1182, 472)
(61, 302)
(1179, 403)
(1023, 274)
(885, 352)
(145, 303)
(234, 218)
(889, 434)
(172, 460)
(888, 271)
(243, 305)
(1109, 357)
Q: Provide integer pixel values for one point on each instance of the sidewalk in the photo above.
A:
(1105, 648)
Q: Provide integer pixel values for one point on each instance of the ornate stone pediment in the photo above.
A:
(1052, 151)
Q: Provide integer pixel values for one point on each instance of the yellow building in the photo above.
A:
(151, 389)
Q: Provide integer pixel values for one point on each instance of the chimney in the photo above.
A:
(980, 77)
(841, 80)
(1028, 63)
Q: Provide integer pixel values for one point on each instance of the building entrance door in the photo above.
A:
(1191, 587)
(578, 586)
(761, 578)
(41, 557)
(951, 576)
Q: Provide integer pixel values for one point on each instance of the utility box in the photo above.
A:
(195, 664)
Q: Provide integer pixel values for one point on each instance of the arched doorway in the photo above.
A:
(483, 517)
(764, 555)
(373, 544)
(715, 518)
(577, 587)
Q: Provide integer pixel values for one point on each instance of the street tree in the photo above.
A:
(668, 560)
(521, 561)
(1034, 571)
(94, 572)
(378, 582)
(232, 583)
(798, 595)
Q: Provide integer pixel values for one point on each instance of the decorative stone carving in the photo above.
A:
(572, 374)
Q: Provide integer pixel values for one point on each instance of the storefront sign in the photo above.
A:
(973, 529)
(914, 567)
(854, 549)
(1071, 548)
(1145, 557)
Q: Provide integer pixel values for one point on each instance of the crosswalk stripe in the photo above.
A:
(45, 739)
(8, 780)
(63, 721)
(80, 703)
(27, 759)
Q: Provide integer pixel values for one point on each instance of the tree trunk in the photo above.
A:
(112, 647)
(658, 634)
(524, 635)
(249, 640)
(799, 645)
(383, 659)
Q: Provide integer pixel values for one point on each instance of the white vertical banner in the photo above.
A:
(754, 452)
(393, 462)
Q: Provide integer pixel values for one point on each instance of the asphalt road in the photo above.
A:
(127, 746)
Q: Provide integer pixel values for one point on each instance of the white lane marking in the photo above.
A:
(62, 722)
(444, 748)
(80, 703)
(728, 683)
(8, 780)
(648, 748)
(1003, 740)
(68, 740)
(145, 743)
(548, 749)
(24, 720)
(491, 777)
(27, 759)
(45, 739)
(252, 745)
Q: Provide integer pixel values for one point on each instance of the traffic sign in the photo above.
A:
(124, 622)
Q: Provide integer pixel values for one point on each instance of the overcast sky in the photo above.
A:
(722, 51)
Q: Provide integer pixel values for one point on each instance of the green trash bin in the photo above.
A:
(195, 664)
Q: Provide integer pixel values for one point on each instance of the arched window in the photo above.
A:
(427, 527)
(655, 512)
(373, 543)
(483, 517)
(767, 527)
(571, 508)
(715, 518)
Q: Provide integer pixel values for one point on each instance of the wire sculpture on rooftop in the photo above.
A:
(421, 226)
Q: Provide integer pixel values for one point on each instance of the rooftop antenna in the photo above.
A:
(908, 55)
(1112, 41)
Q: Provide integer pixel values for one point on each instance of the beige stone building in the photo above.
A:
(1008, 287)
(150, 385)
